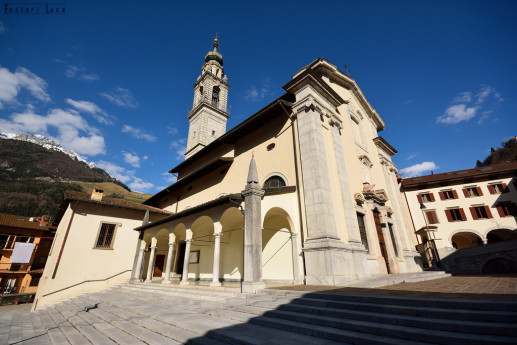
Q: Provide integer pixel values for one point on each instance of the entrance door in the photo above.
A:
(380, 236)
(158, 265)
(181, 258)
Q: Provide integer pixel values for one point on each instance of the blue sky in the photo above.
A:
(113, 80)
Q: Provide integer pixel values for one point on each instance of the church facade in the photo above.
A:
(320, 204)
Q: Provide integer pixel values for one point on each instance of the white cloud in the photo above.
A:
(138, 133)
(12, 83)
(411, 156)
(255, 94)
(418, 169)
(3, 29)
(131, 159)
(138, 185)
(463, 97)
(457, 113)
(168, 177)
(121, 97)
(74, 133)
(172, 130)
(79, 72)
(466, 106)
(116, 171)
(91, 108)
(180, 146)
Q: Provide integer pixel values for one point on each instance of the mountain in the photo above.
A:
(33, 178)
(47, 143)
(506, 153)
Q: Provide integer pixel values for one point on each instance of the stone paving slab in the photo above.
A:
(496, 287)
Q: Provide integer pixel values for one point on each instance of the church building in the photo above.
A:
(302, 192)
(321, 203)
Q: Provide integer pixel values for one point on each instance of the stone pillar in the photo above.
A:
(137, 274)
(217, 251)
(150, 267)
(296, 253)
(167, 279)
(184, 278)
(404, 215)
(252, 232)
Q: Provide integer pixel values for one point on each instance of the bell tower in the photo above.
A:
(208, 117)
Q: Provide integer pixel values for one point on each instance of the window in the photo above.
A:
(274, 182)
(215, 97)
(106, 235)
(470, 192)
(3, 241)
(395, 249)
(362, 231)
(480, 212)
(431, 217)
(507, 209)
(448, 194)
(497, 188)
(425, 197)
(455, 215)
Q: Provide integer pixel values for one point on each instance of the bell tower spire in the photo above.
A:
(208, 117)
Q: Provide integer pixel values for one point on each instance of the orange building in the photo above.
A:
(32, 238)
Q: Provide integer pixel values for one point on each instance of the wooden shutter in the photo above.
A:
(466, 193)
(505, 188)
(448, 215)
(500, 210)
(419, 197)
(455, 194)
(442, 196)
(431, 196)
(462, 213)
(479, 191)
(491, 189)
(473, 212)
(489, 214)
(431, 217)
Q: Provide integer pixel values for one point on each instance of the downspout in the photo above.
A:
(64, 241)
(293, 120)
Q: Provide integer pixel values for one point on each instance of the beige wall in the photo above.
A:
(80, 261)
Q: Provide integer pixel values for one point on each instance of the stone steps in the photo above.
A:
(156, 314)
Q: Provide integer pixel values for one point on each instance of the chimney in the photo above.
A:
(44, 220)
(97, 194)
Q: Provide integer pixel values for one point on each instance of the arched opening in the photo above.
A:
(277, 255)
(148, 242)
(465, 239)
(162, 248)
(501, 235)
(201, 249)
(232, 244)
(215, 96)
(274, 181)
(180, 233)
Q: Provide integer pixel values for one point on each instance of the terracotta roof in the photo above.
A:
(460, 174)
(85, 197)
(20, 222)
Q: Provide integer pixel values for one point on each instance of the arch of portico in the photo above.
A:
(500, 234)
(466, 239)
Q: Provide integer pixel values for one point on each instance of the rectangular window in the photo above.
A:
(106, 236)
(507, 209)
(362, 231)
(472, 191)
(455, 215)
(431, 217)
(448, 195)
(3, 241)
(395, 249)
(498, 188)
(425, 197)
(480, 212)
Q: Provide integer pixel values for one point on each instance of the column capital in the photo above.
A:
(153, 247)
(188, 241)
(143, 250)
(219, 234)
(294, 235)
(172, 244)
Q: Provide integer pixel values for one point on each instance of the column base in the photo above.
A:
(252, 287)
(166, 282)
(215, 284)
(148, 281)
(184, 282)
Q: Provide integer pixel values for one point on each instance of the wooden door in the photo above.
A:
(158, 265)
(380, 236)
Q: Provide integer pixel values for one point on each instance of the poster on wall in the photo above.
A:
(194, 257)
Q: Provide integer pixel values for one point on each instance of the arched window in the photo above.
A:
(215, 96)
(274, 182)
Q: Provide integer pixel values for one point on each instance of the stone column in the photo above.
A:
(184, 278)
(150, 267)
(167, 279)
(296, 253)
(137, 274)
(404, 215)
(217, 251)
(252, 232)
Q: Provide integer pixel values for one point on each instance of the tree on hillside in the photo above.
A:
(507, 153)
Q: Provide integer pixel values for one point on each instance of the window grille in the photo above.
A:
(106, 235)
